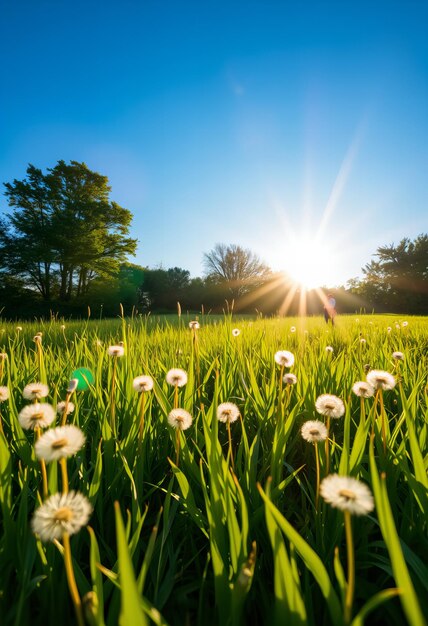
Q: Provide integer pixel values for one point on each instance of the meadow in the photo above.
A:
(219, 513)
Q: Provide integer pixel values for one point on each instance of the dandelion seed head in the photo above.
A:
(398, 356)
(404, 324)
(59, 514)
(142, 383)
(289, 379)
(4, 394)
(363, 389)
(236, 332)
(62, 326)
(37, 415)
(284, 358)
(397, 326)
(59, 443)
(60, 407)
(330, 405)
(72, 385)
(194, 325)
(381, 380)
(19, 328)
(313, 431)
(292, 329)
(347, 494)
(329, 349)
(35, 391)
(176, 377)
(362, 340)
(117, 351)
(180, 419)
(389, 329)
(227, 412)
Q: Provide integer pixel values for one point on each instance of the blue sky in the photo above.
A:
(264, 124)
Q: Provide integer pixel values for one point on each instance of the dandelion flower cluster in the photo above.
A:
(227, 412)
(143, 383)
(330, 405)
(59, 443)
(61, 406)
(313, 431)
(347, 494)
(59, 514)
(176, 377)
(381, 380)
(116, 351)
(289, 379)
(38, 415)
(4, 394)
(284, 358)
(180, 419)
(363, 389)
(35, 391)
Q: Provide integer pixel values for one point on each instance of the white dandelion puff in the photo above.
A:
(292, 329)
(284, 358)
(59, 443)
(363, 389)
(72, 385)
(347, 494)
(142, 383)
(398, 356)
(404, 324)
(289, 379)
(116, 351)
(38, 415)
(236, 332)
(397, 326)
(362, 340)
(330, 405)
(389, 329)
(37, 339)
(4, 394)
(35, 391)
(19, 328)
(180, 419)
(59, 514)
(329, 349)
(313, 431)
(227, 412)
(176, 377)
(194, 325)
(60, 407)
(381, 380)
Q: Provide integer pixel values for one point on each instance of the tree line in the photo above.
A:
(65, 245)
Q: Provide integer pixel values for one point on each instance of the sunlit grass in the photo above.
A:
(220, 524)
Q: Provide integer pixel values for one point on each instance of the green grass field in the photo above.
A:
(221, 523)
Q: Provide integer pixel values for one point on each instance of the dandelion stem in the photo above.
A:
(1, 425)
(43, 469)
(71, 579)
(383, 419)
(112, 398)
(176, 397)
(349, 598)
(317, 464)
(65, 411)
(230, 445)
(142, 410)
(64, 475)
(327, 448)
(177, 447)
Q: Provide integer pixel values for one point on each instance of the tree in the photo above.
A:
(398, 278)
(63, 231)
(162, 289)
(239, 268)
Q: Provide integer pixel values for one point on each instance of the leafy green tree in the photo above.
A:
(64, 231)
(162, 289)
(235, 267)
(398, 278)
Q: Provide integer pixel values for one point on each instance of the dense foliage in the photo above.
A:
(209, 530)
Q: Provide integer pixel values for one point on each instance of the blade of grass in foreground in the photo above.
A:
(311, 560)
(131, 612)
(408, 597)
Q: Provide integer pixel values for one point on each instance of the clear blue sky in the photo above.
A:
(234, 122)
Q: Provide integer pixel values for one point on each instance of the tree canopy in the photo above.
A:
(63, 231)
(238, 267)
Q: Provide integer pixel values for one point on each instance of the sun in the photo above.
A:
(309, 261)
